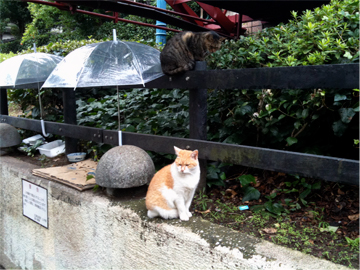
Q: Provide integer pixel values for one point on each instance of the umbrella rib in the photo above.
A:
(136, 64)
(17, 73)
(82, 68)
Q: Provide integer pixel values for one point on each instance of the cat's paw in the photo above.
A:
(189, 214)
(184, 217)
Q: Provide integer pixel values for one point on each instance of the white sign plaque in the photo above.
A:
(35, 203)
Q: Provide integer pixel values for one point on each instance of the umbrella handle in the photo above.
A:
(120, 137)
(43, 128)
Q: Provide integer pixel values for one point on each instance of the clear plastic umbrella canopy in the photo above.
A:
(110, 63)
(27, 70)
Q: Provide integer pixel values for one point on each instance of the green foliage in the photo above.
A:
(4, 56)
(296, 120)
(51, 25)
(300, 187)
(14, 12)
(289, 119)
(250, 193)
(215, 175)
(353, 243)
(147, 111)
(329, 34)
(127, 31)
(31, 150)
(28, 99)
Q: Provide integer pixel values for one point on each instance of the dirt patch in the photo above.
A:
(325, 223)
(41, 160)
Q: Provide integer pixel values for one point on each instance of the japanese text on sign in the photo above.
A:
(35, 203)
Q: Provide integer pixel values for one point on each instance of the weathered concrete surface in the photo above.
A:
(91, 231)
(124, 167)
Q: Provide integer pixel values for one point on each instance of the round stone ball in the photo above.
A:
(8, 136)
(124, 166)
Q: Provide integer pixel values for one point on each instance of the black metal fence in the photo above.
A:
(344, 76)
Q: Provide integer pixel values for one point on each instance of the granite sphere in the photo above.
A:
(124, 166)
(8, 136)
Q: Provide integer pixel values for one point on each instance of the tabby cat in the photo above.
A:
(172, 188)
(183, 49)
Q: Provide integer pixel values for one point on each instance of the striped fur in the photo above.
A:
(185, 48)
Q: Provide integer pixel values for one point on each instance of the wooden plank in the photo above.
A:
(198, 120)
(320, 167)
(342, 76)
(69, 102)
(67, 130)
(3, 102)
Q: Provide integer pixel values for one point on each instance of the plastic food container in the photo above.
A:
(75, 157)
(32, 140)
(52, 149)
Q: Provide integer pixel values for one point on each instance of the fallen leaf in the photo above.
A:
(203, 212)
(311, 242)
(340, 192)
(270, 230)
(353, 217)
(233, 192)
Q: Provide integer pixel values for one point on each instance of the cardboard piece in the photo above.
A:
(74, 175)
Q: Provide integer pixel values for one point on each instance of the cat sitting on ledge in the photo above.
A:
(172, 188)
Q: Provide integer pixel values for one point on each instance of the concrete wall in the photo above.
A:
(89, 230)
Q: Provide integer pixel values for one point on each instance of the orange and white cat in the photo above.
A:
(172, 188)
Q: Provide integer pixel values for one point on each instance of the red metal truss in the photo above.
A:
(228, 26)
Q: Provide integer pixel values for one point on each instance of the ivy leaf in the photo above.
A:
(305, 193)
(339, 128)
(305, 113)
(291, 140)
(275, 208)
(245, 180)
(297, 124)
(339, 97)
(346, 114)
(317, 185)
(251, 193)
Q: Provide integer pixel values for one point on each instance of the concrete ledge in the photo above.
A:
(89, 230)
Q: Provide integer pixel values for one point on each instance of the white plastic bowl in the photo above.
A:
(75, 157)
(52, 149)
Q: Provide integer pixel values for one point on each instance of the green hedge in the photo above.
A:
(319, 121)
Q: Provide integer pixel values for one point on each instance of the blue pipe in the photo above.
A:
(160, 34)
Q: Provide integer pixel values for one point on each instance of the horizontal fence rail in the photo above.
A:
(320, 167)
(340, 76)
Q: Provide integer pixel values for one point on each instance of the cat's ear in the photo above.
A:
(177, 150)
(195, 154)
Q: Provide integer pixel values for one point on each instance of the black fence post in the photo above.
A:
(3, 102)
(198, 119)
(69, 103)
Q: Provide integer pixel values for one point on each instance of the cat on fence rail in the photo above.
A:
(185, 48)
(172, 188)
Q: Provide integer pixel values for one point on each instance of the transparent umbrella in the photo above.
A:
(27, 70)
(110, 63)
